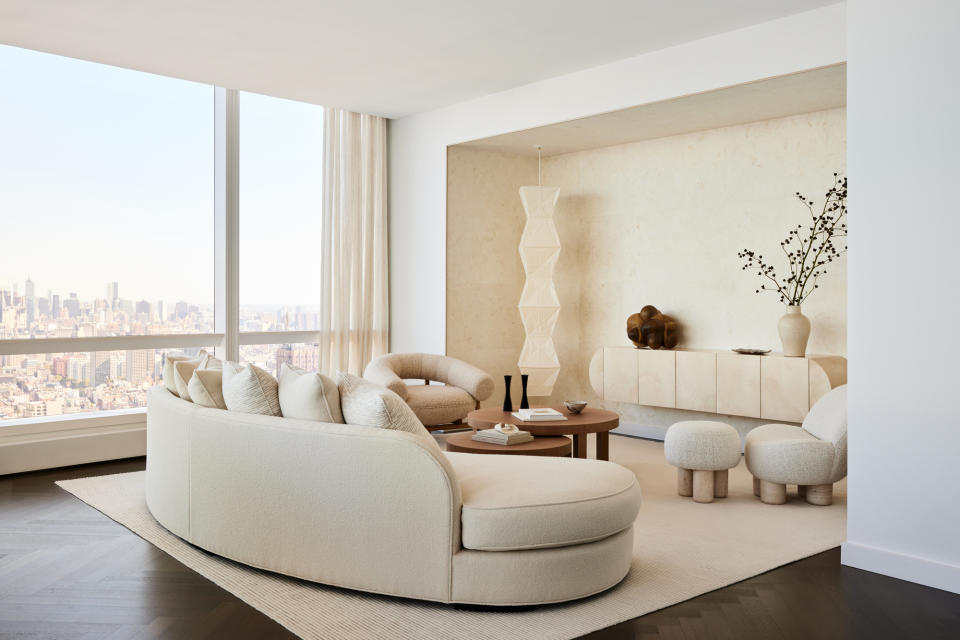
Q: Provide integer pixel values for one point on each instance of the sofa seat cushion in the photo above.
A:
(439, 404)
(527, 502)
(787, 454)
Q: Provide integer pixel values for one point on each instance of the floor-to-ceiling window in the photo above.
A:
(281, 169)
(107, 232)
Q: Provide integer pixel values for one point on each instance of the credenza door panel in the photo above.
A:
(620, 374)
(738, 385)
(657, 378)
(784, 388)
(697, 381)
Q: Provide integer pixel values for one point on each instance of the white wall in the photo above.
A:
(904, 140)
(418, 143)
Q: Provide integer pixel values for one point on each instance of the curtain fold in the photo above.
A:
(354, 312)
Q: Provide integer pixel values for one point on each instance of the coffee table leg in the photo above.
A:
(580, 446)
(603, 445)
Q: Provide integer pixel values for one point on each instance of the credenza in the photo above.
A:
(770, 387)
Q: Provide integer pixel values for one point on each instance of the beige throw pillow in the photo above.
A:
(250, 389)
(182, 372)
(206, 388)
(371, 405)
(170, 372)
(308, 395)
(169, 380)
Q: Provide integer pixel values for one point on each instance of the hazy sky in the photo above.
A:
(106, 174)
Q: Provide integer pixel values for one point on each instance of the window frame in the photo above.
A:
(226, 337)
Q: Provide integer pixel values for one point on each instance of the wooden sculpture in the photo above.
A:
(650, 328)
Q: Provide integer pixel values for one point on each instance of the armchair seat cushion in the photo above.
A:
(526, 502)
(787, 454)
(439, 404)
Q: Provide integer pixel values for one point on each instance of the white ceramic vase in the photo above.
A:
(794, 328)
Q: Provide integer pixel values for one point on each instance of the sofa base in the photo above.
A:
(541, 576)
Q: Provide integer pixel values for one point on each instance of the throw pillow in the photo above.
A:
(206, 388)
(371, 405)
(182, 372)
(250, 389)
(168, 376)
(308, 396)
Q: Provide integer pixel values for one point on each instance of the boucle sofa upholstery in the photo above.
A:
(465, 386)
(386, 511)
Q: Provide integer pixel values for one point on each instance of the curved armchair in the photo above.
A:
(465, 386)
(813, 456)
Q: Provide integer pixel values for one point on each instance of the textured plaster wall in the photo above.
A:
(655, 222)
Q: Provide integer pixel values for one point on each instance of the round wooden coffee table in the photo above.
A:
(578, 425)
(546, 446)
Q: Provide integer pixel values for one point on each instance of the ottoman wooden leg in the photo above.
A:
(756, 486)
(802, 490)
(685, 482)
(772, 492)
(820, 494)
(720, 481)
(702, 486)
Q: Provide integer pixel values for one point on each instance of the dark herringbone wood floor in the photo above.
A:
(67, 571)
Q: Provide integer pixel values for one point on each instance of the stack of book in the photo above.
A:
(494, 436)
(540, 414)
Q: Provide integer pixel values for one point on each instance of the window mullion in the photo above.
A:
(226, 221)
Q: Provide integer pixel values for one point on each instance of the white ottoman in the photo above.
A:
(702, 451)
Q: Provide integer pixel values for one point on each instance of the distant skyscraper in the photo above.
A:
(139, 365)
(72, 305)
(143, 307)
(55, 306)
(113, 294)
(180, 310)
(160, 315)
(29, 300)
(99, 367)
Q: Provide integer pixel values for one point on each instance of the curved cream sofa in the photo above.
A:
(386, 511)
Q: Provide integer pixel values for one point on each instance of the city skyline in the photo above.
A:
(122, 180)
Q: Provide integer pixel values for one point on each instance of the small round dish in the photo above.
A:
(751, 352)
(574, 406)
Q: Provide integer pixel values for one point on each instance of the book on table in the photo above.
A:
(544, 414)
(493, 436)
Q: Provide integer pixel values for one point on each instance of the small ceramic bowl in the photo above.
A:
(574, 406)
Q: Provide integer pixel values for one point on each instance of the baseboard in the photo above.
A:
(48, 445)
(641, 431)
(900, 565)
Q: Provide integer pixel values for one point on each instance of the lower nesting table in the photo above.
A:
(543, 446)
(578, 425)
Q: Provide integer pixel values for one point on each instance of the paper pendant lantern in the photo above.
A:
(539, 305)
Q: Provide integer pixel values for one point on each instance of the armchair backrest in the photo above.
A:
(827, 420)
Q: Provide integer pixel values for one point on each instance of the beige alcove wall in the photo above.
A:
(656, 221)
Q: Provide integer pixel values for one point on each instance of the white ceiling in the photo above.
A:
(803, 92)
(388, 57)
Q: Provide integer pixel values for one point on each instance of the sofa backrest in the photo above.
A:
(354, 506)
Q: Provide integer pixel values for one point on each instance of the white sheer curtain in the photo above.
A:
(354, 309)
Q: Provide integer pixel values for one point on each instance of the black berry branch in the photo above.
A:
(808, 249)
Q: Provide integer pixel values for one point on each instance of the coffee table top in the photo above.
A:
(543, 446)
(589, 420)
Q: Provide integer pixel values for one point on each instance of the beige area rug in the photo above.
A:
(681, 549)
